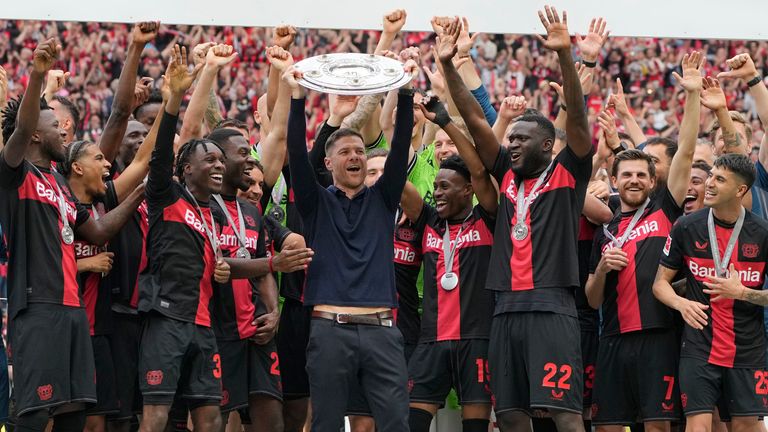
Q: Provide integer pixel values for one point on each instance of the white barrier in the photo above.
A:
(735, 19)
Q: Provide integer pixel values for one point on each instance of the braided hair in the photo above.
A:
(74, 151)
(11, 112)
(186, 150)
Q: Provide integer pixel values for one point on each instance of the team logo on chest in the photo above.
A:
(750, 250)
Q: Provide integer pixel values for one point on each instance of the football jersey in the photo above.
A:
(30, 217)
(408, 258)
(629, 304)
(734, 336)
(589, 319)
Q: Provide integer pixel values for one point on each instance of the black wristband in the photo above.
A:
(589, 64)
(754, 81)
(406, 91)
(562, 107)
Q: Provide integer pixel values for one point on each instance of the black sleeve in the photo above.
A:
(668, 205)
(261, 246)
(11, 178)
(672, 256)
(489, 219)
(317, 154)
(110, 200)
(276, 232)
(597, 249)
(160, 179)
(580, 168)
(502, 165)
(302, 179)
(392, 182)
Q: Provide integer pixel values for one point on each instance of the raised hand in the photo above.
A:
(291, 76)
(3, 87)
(607, 123)
(178, 75)
(557, 30)
(512, 107)
(279, 58)
(141, 91)
(144, 32)
(439, 24)
(342, 105)
(436, 80)
(57, 78)
(284, 36)
(200, 51)
(585, 79)
(220, 56)
(45, 56)
(741, 66)
(394, 21)
(434, 111)
(446, 43)
(712, 96)
(691, 80)
(410, 53)
(590, 44)
(618, 100)
(465, 42)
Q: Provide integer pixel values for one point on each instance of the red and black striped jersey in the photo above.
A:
(539, 272)
(735, 335)
(629, 304)
(181, 260)
(408, 258)
(29, 214)
(95, 289)
(236, 303)
(130, 248)
(464, 312)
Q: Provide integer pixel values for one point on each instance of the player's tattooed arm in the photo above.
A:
(757, 297)
(713, 97)
(730, 287)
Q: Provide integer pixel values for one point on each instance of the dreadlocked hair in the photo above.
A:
(186, 150)
(11, 113)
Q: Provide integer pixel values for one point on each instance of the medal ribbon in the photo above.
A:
(619, 242)
(524, 202)
(240, 233)
(722, 266)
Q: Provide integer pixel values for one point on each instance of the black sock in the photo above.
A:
(419, 420)
(69, 422)
(475, 425)
(34, 421)
(587, 425)
(543, 425)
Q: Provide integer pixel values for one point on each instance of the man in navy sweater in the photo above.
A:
(351, 282)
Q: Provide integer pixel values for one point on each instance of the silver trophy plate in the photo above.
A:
(352, 74)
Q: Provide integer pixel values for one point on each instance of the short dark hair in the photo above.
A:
(186, 151)
(543, 122)
(378, 152)
(670, 144)
(11, 112)
(341, 133)
(456, 163)
(258, 165)
(155, 97)
(232, 123)
(73, 111)
(222, 135)
(74, 151)
(702, 166)
(623, 136)
(739, 164)
(630, 155)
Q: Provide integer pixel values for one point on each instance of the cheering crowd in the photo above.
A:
(570, 232)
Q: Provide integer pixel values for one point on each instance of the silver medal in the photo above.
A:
(449, 281)
(68, 235)
(243, 253)
(520, 231)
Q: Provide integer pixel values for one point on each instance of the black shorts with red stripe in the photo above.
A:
(534, 360)
(636, 378)
(743, 391)
(590, 341)
(248, 369)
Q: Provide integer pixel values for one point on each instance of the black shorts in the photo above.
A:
(590, 340)
(636, 378)
(125, 340)
(744, 391)
(176, 355)
(106, 393)
(248, 369)
(292, 339)
(436, 367)
(52, 357)
(535, 362)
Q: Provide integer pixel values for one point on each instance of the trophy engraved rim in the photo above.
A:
(352, 73)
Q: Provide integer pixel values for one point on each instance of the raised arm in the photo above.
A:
(618, 101)
(411, 202)
(511, 107)
(216, 58)
(486, 192)
(713, 97)
(488, 147)
(273, 147)
(122, 104)
(395, 173)
(161, 164)
(559, 40)
(3, 99)
(466, 67)
(743, 67)
(283, 37)
(56, 80)
(99, 232)
(44, 57)
(680, 169)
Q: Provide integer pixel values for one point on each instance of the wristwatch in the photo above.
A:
(622, 146)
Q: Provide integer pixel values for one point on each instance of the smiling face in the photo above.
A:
(694, 197)
(375, 170)
(256, 190)
(444, 146)
(530, 149)
(134, 136)
(453, 194)
(347, 162)
(723, 187)
(205, 169)
(634, 182)
(239, 163)
(91, 168)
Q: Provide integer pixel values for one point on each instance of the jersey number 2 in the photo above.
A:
(551, 370)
